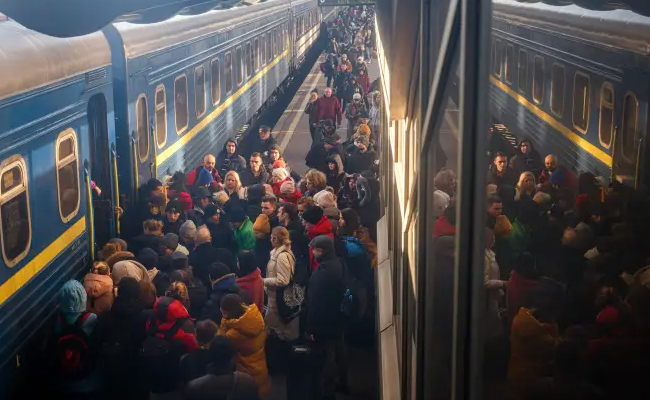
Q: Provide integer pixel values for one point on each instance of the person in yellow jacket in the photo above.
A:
(244, 326)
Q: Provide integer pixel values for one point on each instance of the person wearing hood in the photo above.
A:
(327, 201)
(210, 173)
(243, 229)
(222, 282)
(353, 87)
(276, 160)
(203, 255)
(122, 331)
(171, 244)
(99, 288)
(335, 173)
(316, 224)
(187, 235)
(229, 159)
(317, 156)
(222, 235)
(244, 326)
(310, 109)
(324, 322)
(347, 196)
(72, 312)
(289, 218)
(528, 159)
(278, 177)
(362, 158)
(249, 277)
(149, 259)
(254, 174)
(260, 143)
(129, 268)
(174, 217)
(202, 198)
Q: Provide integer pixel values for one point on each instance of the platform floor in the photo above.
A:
(292, 132)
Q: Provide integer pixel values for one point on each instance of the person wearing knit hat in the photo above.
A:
(362, 140)
(174, 217)
(172, 244)
(279, 164)
(364, 130)
(149, 260)
(72, 301)
(312, 215)
(361, 158)
(187, 234)
(350, 219)
(289, 193)
(205, 178)
(279, 175)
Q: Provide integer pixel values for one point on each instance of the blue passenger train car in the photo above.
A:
(576, 82)
(56, 132)
(131, 102)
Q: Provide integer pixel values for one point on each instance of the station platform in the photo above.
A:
(292, 129)
(292, 133)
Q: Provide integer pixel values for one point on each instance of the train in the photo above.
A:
(113, 109)
(576, 83)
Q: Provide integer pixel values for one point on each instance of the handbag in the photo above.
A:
(290, 298)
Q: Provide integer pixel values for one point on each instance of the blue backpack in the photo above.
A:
(358, 269)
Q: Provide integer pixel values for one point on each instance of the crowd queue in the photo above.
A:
(566, 277)
(235, 274)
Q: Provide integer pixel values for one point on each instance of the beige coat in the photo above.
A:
(279, 272)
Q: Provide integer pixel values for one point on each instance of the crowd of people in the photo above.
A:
(566, 276)
(233, 275)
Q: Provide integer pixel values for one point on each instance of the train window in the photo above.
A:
(67, 174)
(249, 59)
(239, 66)
(269, 47)
(227, 72)
(278, 42)
(16, 232)
(606, 122)
(523, 71)
(263, 48)
(496, 58)
(199, 91)
(510, 62)
(286, 37)
(628, 126)
(256, 54)
(538, 80)
(581, 92)
(181, 111)
(142, 127)
(557, 90)
(161, 116)
(215, 82)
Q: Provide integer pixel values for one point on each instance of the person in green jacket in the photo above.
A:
(243, 228)
(520, 237)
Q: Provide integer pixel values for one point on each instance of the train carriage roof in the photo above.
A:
(30, 60)
(617, 28)
(140, 39)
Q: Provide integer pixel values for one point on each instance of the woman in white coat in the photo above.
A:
(494, 287)
(279, 272)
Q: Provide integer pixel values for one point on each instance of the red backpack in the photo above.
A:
(72, 350)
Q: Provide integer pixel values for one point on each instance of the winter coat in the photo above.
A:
(245, 237)
(335, 178)
(222, 236)
(300, 250)
(333, 214)
(532, 350)
(145, 240)
(531, 162)
(248, 178)
(346, 197)
(323, 227)
(166, 312)
(364, 81)
(495, 291)
(442, 227)
(509, 177)
(279, 272)
(160, 280)
(358, 162)
(200, 260)
(325, 291)
(519, 239)
(518, 289)
(329, 108)
(99, 289)
(218, 386)
(248, 336)
(254, 286)
(184, 199)
(229, 162)
(225, 285)
(174, 227)
(252, 143)
(130, 268)
(193, 175)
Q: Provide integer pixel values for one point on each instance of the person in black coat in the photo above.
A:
(222, 235)
(361, 158)
(289, 218)
(324, 322)
(203, 255)
(255, 174)
(528, 159)
(221, 380)
(260, 143)
(152, 237)
(223, 283)
(229, 159)
(500, 174)
(195, 364)
(149, 258)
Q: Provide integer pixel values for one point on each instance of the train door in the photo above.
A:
(143, 144)
(627, 144)
(99, 169)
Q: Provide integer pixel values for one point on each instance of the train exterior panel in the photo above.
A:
(47, 136)
(575, 82)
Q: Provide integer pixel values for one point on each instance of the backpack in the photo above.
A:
(72, 349)
(160, 357)
(358, 271)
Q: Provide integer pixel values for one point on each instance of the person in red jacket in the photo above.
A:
(329, 107)
(208, 163)
(168, 310)
(249, 277)
(316, 224)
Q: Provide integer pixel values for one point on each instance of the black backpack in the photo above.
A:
(72, 352)
(160, 357)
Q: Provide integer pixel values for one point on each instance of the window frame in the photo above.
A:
(587, 104)
(187, 105)
(507, 64)
(212, 91)
(269, 47)
(205, 103)
(629, 94)
(559, 114)
(263, 50)
(65, 135)
(240, 65)
(497, 59)
(256, 54)
(248, 59)
(519, 58)
(612, 104)
(137, 125)
(7, 165)
(159, 88)
(225, 75)
(540, 100)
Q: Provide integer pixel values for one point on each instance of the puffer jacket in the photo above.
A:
(280, 270)
(323, 227)
(99, 289)
(248, 336)
(245, 237)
